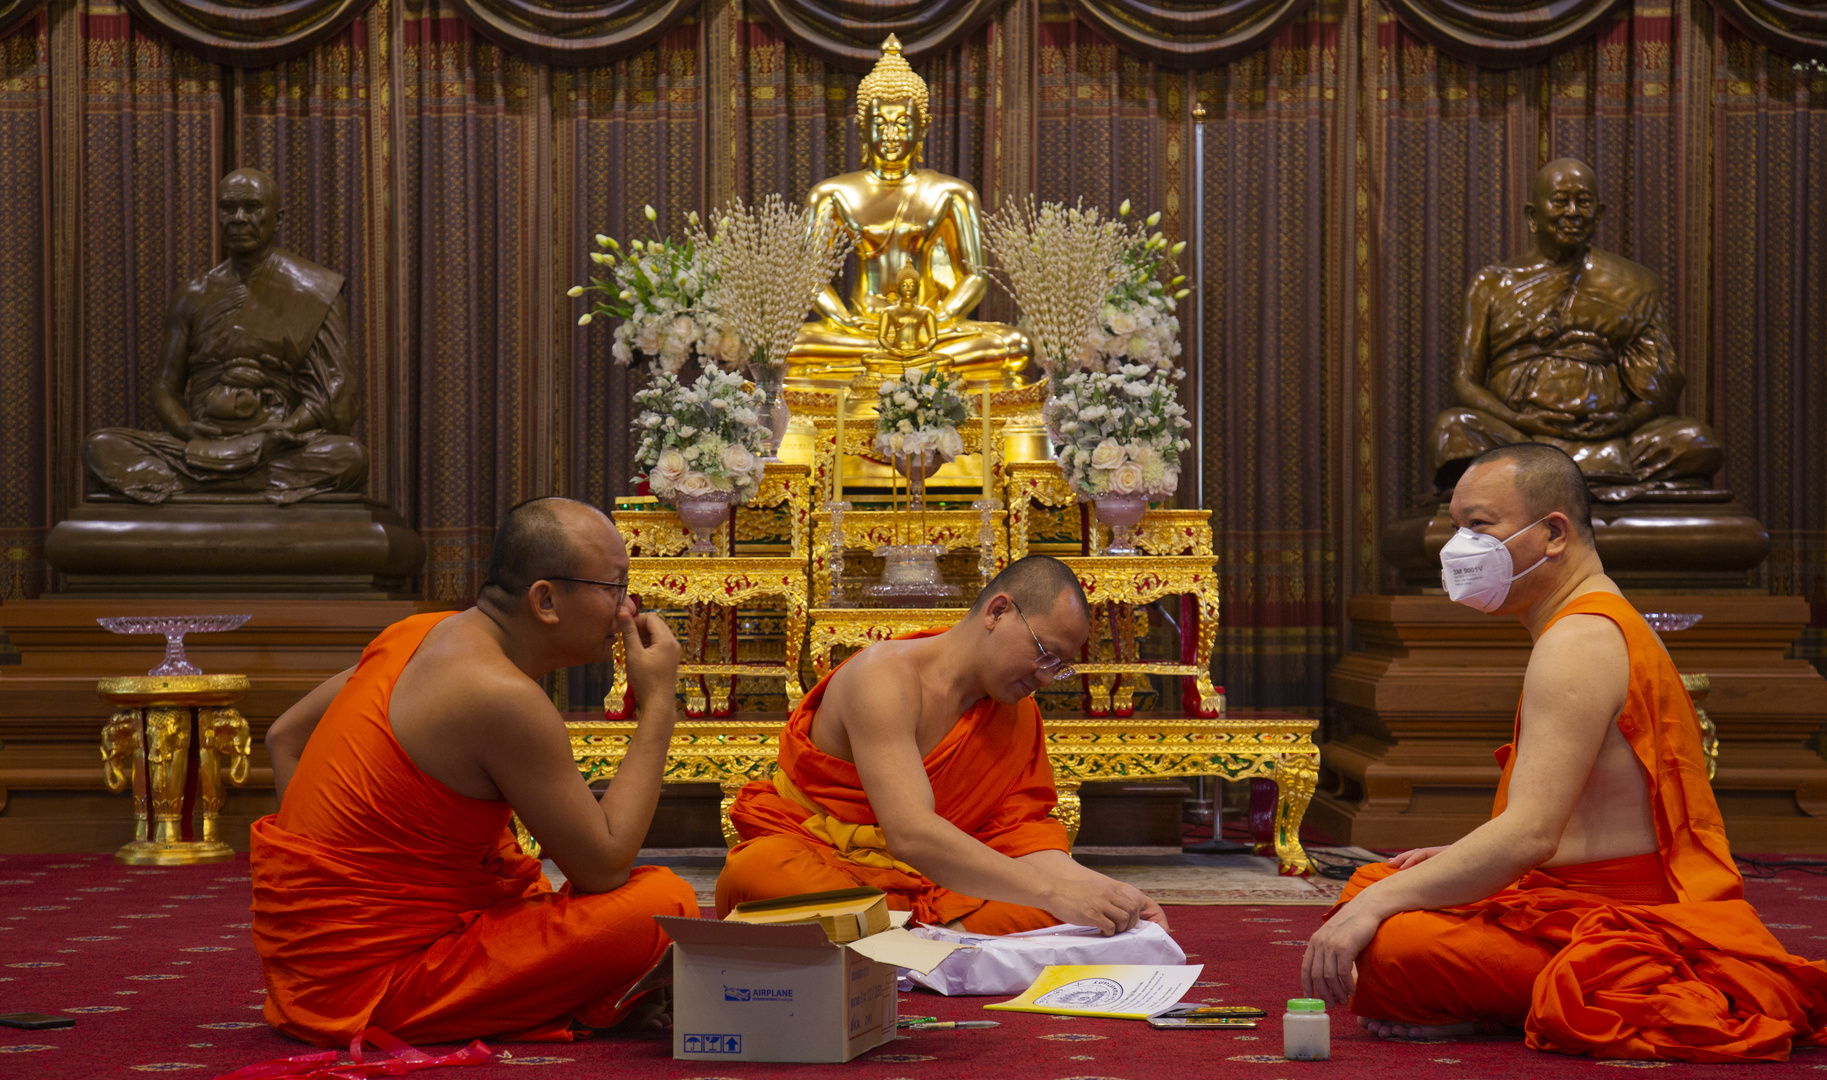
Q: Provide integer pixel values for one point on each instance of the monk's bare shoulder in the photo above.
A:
(1581, 659)
(461, 700)
(878, 690)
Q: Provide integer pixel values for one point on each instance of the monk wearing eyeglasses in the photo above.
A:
(918, 768)
(389, 890)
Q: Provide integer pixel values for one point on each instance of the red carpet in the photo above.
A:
(156, 967)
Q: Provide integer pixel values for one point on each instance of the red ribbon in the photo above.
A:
(324, 1066)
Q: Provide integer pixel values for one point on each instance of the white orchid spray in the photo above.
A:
(1059, 263)
(701, 439)
(917, 415)
(1118, 433)
(656, 288)
(766, 263)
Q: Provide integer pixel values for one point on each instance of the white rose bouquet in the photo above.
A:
(919, 413)
(1118, 432)
(658, 289)
(1137, 324)
(701, 439)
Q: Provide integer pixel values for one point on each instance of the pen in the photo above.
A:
(947, 1025)
(909, 1021)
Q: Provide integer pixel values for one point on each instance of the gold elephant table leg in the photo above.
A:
(223, 742)
(1296, 776)
(168, 751)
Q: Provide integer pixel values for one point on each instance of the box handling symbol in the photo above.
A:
(713, 1044)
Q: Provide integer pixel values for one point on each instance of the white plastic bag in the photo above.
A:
(1009, 964)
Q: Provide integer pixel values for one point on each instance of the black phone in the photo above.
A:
(35, 1021)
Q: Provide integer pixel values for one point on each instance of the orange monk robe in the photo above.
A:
(1653, 956)
(383, 898)
(811, 828)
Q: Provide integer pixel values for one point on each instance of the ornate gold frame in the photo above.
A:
(735, 752)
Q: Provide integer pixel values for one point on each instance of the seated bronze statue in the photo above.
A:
(905, 219)
(255, 395)
(1569, 345)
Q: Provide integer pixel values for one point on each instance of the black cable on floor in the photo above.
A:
(1764, 869)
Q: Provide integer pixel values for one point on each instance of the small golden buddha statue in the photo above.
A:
(916, 228)
(904, 334)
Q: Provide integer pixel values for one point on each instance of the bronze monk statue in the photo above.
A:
(1569, 345)
(256, 394)
(905, 218)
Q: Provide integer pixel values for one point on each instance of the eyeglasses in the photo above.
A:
(1046, 663)
(611, 585)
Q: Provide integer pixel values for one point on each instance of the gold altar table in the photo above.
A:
(1119, 585)
(1235, 746)
(711, 589)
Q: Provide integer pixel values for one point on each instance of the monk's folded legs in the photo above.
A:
(1444, 967)
(522, 963)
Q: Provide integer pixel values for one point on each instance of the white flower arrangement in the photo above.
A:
(657, 288)
(701, 439)
(1137, 324)
(1060, 264)
(918, 415)
(1118, 432)
(764, 265)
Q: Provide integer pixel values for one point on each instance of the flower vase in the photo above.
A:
(704, 515)
(1121, 513)
(772, 382)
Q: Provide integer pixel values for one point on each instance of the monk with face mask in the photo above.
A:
(1599, 909)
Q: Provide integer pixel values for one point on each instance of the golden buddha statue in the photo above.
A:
(908, 222)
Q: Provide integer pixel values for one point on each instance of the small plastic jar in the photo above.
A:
(1306, 1031)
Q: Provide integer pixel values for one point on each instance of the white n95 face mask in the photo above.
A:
(1475, 567)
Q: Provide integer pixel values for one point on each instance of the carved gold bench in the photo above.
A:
(1279, 746)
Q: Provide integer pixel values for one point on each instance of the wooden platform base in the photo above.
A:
(1433, 694)
(52, 797)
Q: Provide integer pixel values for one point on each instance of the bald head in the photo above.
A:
(1037, 584)
(1562, 174)
(1545, 479)
(541, 538)
(247, 207)
(1564, 208)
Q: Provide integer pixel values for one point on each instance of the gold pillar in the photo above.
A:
(148, 742)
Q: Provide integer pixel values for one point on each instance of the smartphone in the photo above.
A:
(1233, 1011)
(1230, 1023)
(35, 1021)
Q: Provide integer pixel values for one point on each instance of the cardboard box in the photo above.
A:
(762, 992)
(846, 914)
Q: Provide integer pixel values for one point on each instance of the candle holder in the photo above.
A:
(986, 538)
(834, 561)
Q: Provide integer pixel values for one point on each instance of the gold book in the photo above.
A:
(846, 914)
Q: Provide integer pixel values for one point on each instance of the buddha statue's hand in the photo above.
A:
(1555, 425)
(198, 429)
(1606, 424)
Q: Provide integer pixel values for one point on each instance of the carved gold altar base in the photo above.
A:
(711, 590)
(148, 743)
(1278, 746)
(1016, 435)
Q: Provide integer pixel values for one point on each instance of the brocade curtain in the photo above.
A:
(25, 112)
(1357, 176)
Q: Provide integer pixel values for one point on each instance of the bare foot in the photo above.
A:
(653, 1012)
(1384, 1029)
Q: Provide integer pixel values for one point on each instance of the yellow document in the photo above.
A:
(1118, 991)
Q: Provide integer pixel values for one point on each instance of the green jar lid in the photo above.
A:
(1306, 1005)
